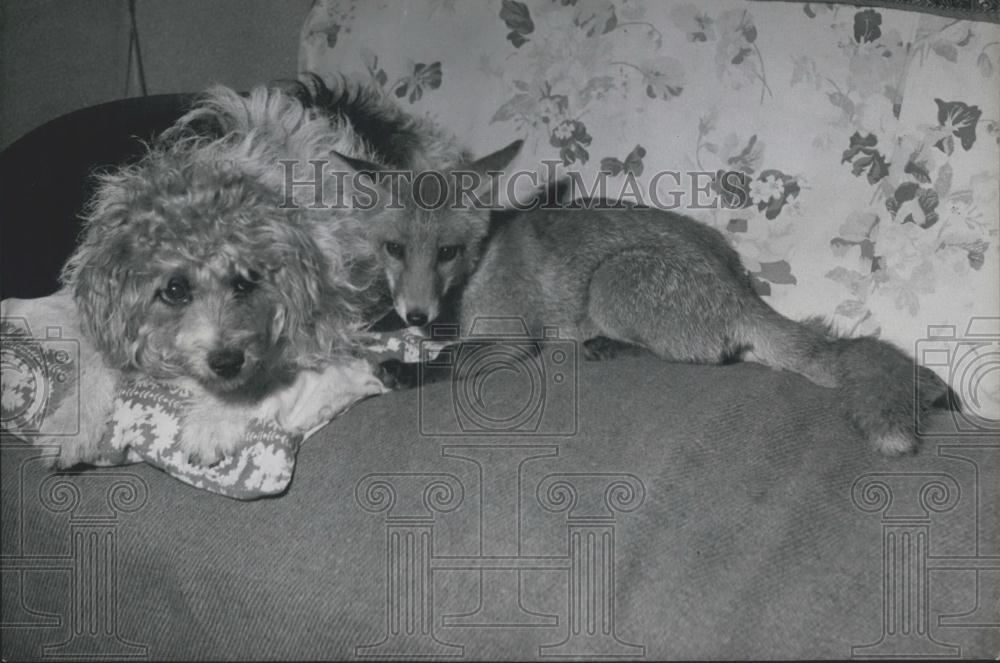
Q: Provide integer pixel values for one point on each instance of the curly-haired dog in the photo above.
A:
(192, 266)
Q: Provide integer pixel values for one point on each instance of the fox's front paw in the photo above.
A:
(397, 374)
(602, 348)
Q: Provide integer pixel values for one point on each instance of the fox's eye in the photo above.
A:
(448, 253)
(177, 292)
(395, 249)
(244, 286)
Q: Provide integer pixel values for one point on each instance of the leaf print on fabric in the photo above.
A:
(597, 87)
(960, 119)
(912, 203)
(737, 225)
(370, 60)
(527, 108)
(517, 18)
(423, 77)
(694, 22)
(737, 163)
(867, 26)
(918, 166)
(331, 33)
(812, 11)
(946, 49)
(863, 157)
(861, 285)
(779, 272)
(943, 182)
(737, 53)
(748, 158)
(856, 231)
(595, 17)
(632, 165)
(985, 64)
(332, 22)
(663, 76)
(520, 105)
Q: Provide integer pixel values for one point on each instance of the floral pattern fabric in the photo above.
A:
(867, 140)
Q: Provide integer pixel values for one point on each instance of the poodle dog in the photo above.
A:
(196, 265)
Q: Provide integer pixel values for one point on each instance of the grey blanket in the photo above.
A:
(674, 512)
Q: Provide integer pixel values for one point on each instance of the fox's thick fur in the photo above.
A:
(639, 276)
(393, 138)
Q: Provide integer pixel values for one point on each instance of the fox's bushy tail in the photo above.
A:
(885, 392)
(882, 389)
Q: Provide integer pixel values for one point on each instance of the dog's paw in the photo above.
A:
(211, 430)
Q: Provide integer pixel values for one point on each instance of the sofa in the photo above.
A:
(630, 508)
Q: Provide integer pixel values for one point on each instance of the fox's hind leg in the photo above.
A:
(648, 299)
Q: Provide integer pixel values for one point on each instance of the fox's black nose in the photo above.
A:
(416, 318)
(226, 363)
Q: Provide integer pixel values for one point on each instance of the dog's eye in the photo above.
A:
(177, 292)
(448, 253)
(395, 249)
(243, 286)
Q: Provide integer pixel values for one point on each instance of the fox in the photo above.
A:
(623, 277)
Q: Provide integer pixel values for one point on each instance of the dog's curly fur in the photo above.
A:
(193, 267)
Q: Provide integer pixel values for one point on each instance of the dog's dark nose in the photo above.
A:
(226, 363)
(416, 318)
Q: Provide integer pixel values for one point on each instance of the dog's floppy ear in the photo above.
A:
(108, 297)
(102, 273)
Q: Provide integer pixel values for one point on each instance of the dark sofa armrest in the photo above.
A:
(46, 179)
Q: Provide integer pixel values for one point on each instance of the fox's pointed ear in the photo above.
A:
(498, 160)
(494, 163)
(360, 165)
(371, 171)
